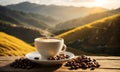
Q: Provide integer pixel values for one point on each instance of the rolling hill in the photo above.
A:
(101, 36)
(62, 13)
(27, 34)
(26, 19)
(11, 46)
(84, 20)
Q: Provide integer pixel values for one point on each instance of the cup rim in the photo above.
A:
(36, 39)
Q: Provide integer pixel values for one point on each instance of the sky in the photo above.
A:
(109, 4)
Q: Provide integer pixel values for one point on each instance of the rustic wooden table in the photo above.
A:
(108, 64)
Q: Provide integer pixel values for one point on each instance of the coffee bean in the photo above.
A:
(23, 67)
(19, 66)
(67, 64)
(29, 67)
(15, 66)
(94, 60)
(98, 66)
(84, 67)
(16, 60)
(92, 68)
(67, 56)
(36, 58)
(51, 58)
(83, 56)
(72, 67)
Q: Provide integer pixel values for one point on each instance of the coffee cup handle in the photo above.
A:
(64, 47)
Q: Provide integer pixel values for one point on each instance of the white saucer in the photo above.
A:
(32, 55)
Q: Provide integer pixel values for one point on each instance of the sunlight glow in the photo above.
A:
(99, 2)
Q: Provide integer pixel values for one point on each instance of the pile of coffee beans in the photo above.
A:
(22, 63)
(59, 57)
(83, 62)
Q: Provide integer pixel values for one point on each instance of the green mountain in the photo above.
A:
(62, 13)
(26, 19)
(85, 20)
(100, 37)
(11, 46)
(27, 34)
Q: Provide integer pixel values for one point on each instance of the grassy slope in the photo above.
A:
(11, 46)
(83, 31)
(101, 36)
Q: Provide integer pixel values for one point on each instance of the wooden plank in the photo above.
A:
(108, 64)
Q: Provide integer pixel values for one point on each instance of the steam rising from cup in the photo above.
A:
(46, 34)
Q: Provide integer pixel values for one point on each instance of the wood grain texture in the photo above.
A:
(108, 64)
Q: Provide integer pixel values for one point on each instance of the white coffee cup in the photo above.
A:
(49, 47)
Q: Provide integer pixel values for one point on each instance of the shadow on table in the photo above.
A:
(38, 68)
